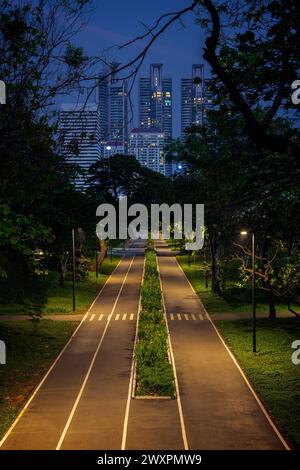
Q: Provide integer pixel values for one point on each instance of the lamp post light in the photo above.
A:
(244, 232)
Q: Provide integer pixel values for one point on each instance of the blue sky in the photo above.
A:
(115, 22)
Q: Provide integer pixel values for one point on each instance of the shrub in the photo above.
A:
(154, 372)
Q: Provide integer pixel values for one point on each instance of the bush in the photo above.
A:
(154, 372)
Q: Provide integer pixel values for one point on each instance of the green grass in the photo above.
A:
(232, 300)
(30, 350)
(271, 371)
(154, 371)
(59, 299)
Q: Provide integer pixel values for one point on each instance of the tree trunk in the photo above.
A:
(102, 252)
(215, 267)
(63, 263)
(272, 307)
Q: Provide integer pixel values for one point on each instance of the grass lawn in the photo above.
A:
(59, 299)
(271, 371)
(30, 350)
(234, 299)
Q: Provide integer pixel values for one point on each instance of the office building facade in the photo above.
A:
(147, 145)
(192, 99)
(80, 135)
(113, 107)
(155, 101)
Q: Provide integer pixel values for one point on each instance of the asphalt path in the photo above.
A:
(219, 409)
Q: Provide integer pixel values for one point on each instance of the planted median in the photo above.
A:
(154, 372)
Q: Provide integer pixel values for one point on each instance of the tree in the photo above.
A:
(252, 48)
(37, 62)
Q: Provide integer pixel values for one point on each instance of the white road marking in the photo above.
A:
(178, 316)
(193, 317)
(131, 316)
(55, 362)
(63, 435)
(117, 316)
(200, 316)
(124, 316)
(100, 317)
(186, 316)
(92, 317)
(171, 316)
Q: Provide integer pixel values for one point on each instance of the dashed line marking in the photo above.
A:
(92, 317)
(100, 317)
(193, 317)
(131, 316)
(124, 316)
(117, 316)
(178, 316)
(186, 316)
(171, 316)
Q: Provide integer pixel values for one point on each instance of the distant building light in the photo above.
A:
(108, 147)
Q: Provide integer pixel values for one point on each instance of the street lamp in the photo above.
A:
(244, 232)
(74, 268)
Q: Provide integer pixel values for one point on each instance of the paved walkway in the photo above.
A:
(219, 410)
(85, 401)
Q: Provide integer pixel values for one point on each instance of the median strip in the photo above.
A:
(154, 376)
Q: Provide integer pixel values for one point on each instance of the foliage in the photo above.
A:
(154, 372)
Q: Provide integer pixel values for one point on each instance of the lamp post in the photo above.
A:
(96, 261)
(244, 232)
(74, 267)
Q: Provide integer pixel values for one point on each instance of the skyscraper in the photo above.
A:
(155, 101)
(147, 146)
(80, 133)
(192, 99)
(113, 107)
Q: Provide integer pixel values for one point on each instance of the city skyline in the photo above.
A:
(114, 132)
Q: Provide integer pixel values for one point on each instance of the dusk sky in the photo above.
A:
(116, 22)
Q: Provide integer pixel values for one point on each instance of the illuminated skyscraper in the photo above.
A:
(113, 107)
(155, 101)
(192, 99)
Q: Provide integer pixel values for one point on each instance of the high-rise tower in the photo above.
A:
(155, 101)
(192, 99)
(113, 107)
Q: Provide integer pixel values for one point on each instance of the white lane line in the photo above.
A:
(186, 316)
(178, 316)
(55, 361)
(193, 317)
(117, 316)
(100, 317)
(92, 317)
(259, 402)
(124, 316)
(131, 316)
(178, 397)
(132, 371)
(172, 316)
(63, 435)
